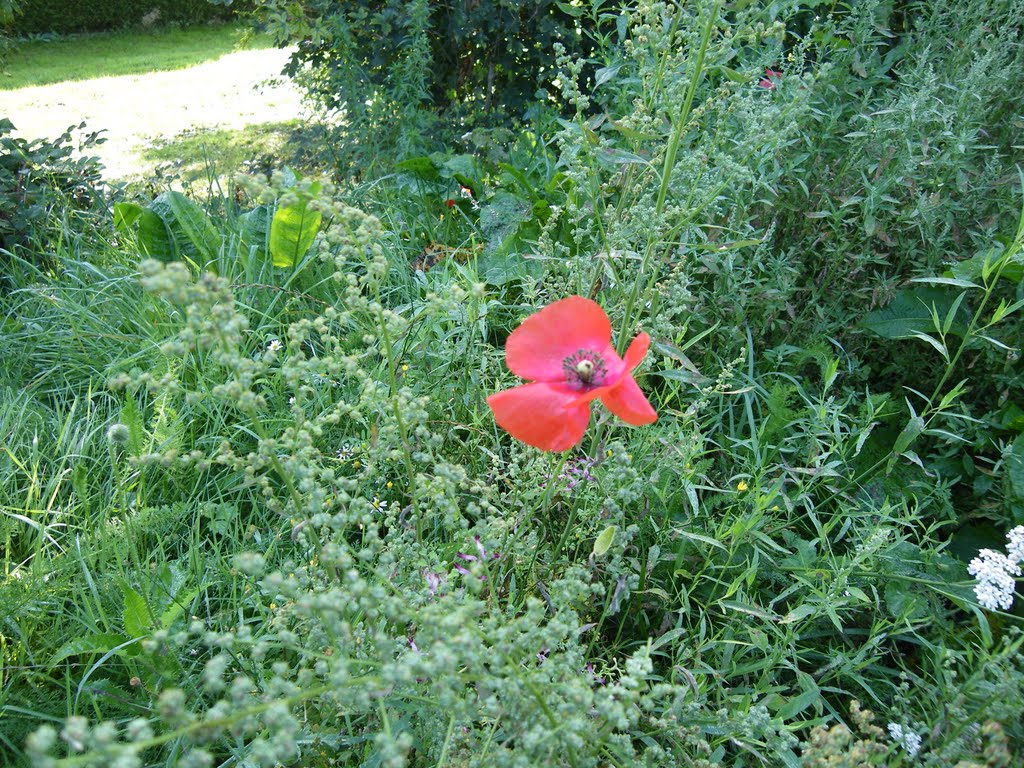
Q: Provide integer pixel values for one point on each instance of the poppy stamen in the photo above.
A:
(584, 368)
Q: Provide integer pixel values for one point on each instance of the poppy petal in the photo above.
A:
(637, 350)
(628, 403)
(541, 415)
(535, 350)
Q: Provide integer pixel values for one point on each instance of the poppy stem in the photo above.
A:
(549, 492)
(565, 532)
(402, 431)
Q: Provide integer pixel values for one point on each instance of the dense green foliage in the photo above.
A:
(62, 18)
(255, 510)
(404, 71)
(42, 185)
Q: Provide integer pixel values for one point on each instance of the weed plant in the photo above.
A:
(262, 515)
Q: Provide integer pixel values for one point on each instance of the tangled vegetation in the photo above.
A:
(257, 509)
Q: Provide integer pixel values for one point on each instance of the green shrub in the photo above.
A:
(405, 75)
(44, 187)
(63, 18)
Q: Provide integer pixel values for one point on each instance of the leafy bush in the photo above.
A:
(44, 187)
(401, 75)
(62, 18)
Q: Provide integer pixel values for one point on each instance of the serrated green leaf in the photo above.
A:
(138, 621)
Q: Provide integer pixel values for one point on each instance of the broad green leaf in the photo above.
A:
(751, 610)
(632, 134)
(610, 157)
(605, 74)
(126, 214)
(152, 234)
(951, 313)
(292, 231)
(797, 705)
(571, 10)
(254, 231)
(1003, 310)
(196, 225)
(983, 264)
(731, 74)
(911, 312)
(420, 167)
(521, 179)
(800, 612)
(938, 345)
(721, 247)
(604, 541)
(903, 603)
(909, 434)
(463, 168)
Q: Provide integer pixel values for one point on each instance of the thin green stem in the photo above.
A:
(402, 429)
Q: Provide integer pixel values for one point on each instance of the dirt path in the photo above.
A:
(230, 92)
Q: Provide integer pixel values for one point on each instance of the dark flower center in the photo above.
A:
(584, 369)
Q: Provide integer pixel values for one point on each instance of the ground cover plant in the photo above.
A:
(673, 421)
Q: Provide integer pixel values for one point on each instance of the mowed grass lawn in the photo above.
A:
(123, 53)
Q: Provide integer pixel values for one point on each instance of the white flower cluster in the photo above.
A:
(1015, 544)
(906, 738)
(995, 572)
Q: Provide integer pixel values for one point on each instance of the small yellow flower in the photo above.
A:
(742, 485)
(405, 368)
(390, 484)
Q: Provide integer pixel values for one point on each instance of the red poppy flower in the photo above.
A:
(449, 202)
(565, 351)
(768, 81)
